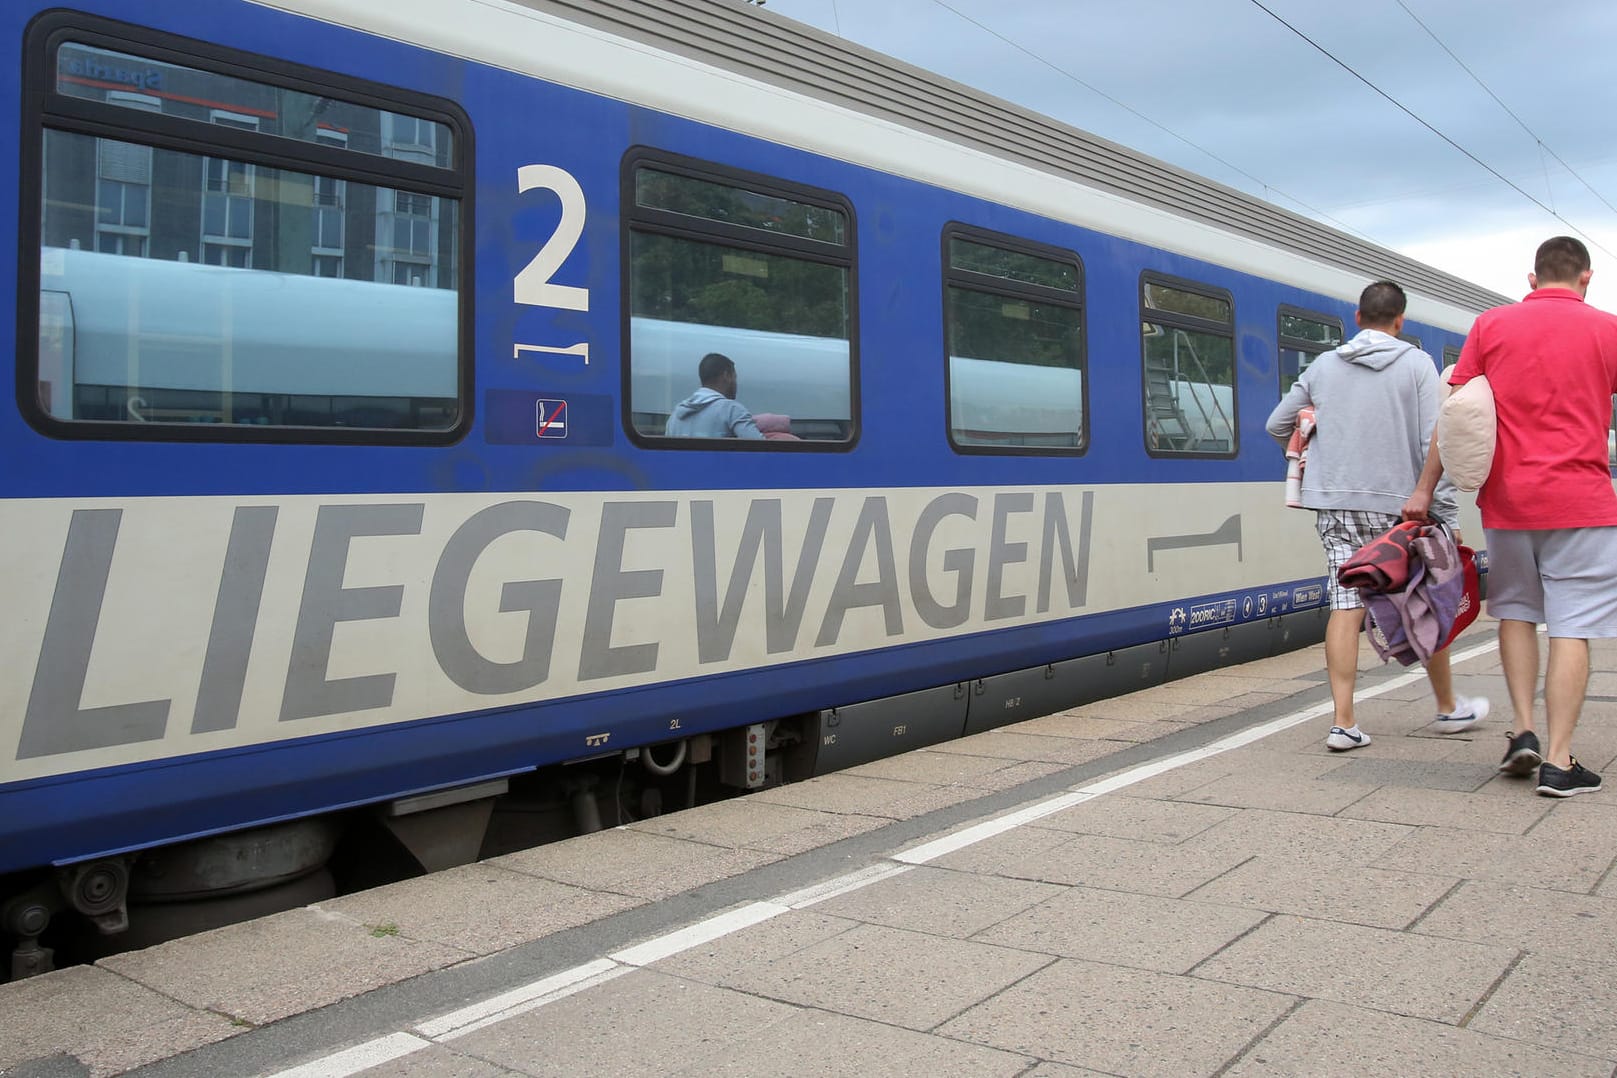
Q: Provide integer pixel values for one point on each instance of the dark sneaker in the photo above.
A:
(1521, 755)
(1577, 779)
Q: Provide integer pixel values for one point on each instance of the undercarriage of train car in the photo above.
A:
(77, 913)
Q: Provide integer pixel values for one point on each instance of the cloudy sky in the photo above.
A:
(1501, 131)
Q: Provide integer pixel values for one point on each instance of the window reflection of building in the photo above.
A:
(123, 196)
(227, 202)
(406, 253)
(330, 203)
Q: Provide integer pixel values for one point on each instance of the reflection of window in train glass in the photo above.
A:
(1304, 336)
(215, 289)
(86, 71)
(1014, 338)
(760, 275)
(1188, 359)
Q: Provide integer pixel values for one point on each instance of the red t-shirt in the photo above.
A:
(1552, 363)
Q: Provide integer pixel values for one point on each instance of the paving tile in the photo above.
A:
(1298, 836)
(1182, 780)
(301, 960)
(1110, 720)
(438, 1061)
(1377, 770)
(1233, 705)
(1414, 745)
(1004, 853)
(109, 1023)
(1209, 688)
(1141, 931)
(1552, 1001)
(1147, 820)
(1448, 808)
(1121, 1021)
(1014, 775)
(1288, 791)
(747, 823)
(1117, 864)
(479, 908)
(1061, 1070)
(1574, 926)
(940, 901)
(753, 946)
(642, 1024)
(633, 863)
(1326, 1040)
(1303, 664)
(1332, 892)
(830, 1045)
(1396, 972)
(877, 973)
(925, 765)
(1558, 860)
(887, 798)
(1008, 743)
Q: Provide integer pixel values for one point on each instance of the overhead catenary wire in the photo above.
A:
(1508, 110)
(1058, 69)
(1408, 112)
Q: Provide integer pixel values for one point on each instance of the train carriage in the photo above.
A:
(339, 493)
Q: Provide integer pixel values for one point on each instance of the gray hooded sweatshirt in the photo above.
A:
(1375, 403)
(707, 413)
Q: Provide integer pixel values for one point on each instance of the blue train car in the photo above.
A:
(338, 471)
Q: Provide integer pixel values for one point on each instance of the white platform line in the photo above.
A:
(358, 1058)
(446, 1024)
(643, 954)
(928, 851)
(808, 896)
(558, 986)
(959, 840)
(534, 1004)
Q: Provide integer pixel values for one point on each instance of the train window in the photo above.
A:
(745, 267)
(1188, 363)
(1451, 356)
(1304, 336)
(224, 252)
(1410, 338)
(1014, 337)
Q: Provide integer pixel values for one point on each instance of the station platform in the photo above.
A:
(1183, 881)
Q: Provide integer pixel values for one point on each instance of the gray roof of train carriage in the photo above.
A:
(756, 43)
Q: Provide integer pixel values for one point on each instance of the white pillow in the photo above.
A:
(1467, 428)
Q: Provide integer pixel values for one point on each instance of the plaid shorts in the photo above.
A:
(1343, 532)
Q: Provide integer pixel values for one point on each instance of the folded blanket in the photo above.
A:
(1297, 456)
(1382, 564)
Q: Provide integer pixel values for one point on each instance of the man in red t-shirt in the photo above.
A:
(1548, 506)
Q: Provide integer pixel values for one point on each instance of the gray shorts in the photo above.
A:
(1562, 578)
(1343, 532)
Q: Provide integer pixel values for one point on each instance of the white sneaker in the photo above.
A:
(1341, 740)
(1468, 712)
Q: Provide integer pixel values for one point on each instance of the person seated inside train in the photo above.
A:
(713, 411)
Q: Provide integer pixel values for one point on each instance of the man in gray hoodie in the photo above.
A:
(712, 411)
(1375, 401)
